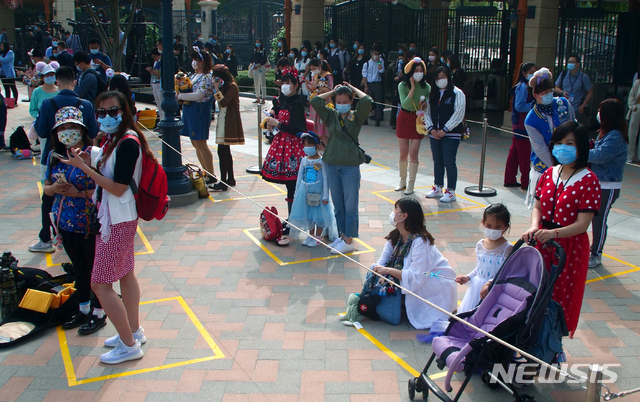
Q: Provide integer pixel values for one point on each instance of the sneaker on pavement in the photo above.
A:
(334, 243)
(436, 192)
(449, 196)
(307, 240)
(594, 260)
(122, 353)
(343, 248)
(41, 247)
(313, 243)
(138, 336)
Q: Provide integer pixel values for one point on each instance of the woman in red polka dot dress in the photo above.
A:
(567, 198)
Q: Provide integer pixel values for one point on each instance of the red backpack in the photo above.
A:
(270, 225)
(152, 201)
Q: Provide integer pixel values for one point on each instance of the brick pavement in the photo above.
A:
(259, 327)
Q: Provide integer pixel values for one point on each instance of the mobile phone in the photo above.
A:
(60, 157)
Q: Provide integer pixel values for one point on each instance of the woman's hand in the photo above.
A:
(381, 270)
(216, 85)
(462, 279)
(70, 191)
(78, 158)
(485, 290)
(544, 235)
(60, 187)
(423, 105)
(529, 234)
(271, 123)
(413, 82)
(435, 134)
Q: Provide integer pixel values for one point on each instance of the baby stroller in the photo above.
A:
(517, 310)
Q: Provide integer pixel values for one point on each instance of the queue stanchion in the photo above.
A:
(594, 383)
(480, 190)
(257, 169)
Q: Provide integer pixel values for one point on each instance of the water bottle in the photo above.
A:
(422, 98)
(8, 293)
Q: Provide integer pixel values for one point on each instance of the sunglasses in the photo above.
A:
(112, 112)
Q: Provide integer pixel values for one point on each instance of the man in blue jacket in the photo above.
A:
(98, 59)
(43, 126)
(87, 86)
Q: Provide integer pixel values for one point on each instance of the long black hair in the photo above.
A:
(407, 77)
(581, 134)
(501, 213)
(612, 118)
(434, 96)
(524, 67)
(414, 223)
(120, 83)
(5, 48)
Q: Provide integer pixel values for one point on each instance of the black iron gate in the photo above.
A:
(241, 22)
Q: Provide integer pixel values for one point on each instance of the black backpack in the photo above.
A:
(102, 84)
(19, 140)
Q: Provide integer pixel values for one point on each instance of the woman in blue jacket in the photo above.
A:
(8, 72)
(607, 159)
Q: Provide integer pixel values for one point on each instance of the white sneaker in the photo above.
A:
(594, 260)
(343, 248)
(313, 243)
(138, 336)
(122, 353)
(436, 192)
(335, 243)
(449, 196)
(42, 247)
(307, 240)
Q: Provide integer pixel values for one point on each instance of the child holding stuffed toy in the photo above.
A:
(321, 82)
(311, 205)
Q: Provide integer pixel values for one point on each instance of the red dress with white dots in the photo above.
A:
(561, 201)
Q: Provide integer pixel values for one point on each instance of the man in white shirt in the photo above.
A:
(372, 82)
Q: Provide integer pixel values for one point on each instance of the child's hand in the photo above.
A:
(325, 202)
(462, 279)
(485, 290)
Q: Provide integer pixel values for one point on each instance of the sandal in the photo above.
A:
(282, 242)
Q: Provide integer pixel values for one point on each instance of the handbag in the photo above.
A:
(389, 309)
(367, 157)
(420, 127)
(250, 71)
(196, 175)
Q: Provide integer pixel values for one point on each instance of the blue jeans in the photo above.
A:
(344, 184)
(444, 153)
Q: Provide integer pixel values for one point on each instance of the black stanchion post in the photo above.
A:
(181, 190)
(480, 190)
(258, 169)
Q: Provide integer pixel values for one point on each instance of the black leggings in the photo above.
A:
(10, 87)
(226, 164)
(291, 191)
(81, 252)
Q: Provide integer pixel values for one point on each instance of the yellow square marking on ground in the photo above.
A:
(369, 249)
(68, 362)
(444, 211)
(380, 167)
(238, 198)
(601, 278)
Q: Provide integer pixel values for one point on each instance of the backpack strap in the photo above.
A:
(562, 77)
(132, 183)
(54, 105)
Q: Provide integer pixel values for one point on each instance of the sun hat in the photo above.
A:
(68, 114)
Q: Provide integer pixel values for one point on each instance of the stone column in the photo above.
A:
(63, 9)
(208, 6)
(541, 34)
(309, 24)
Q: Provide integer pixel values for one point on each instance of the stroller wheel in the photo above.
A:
(412, 388)
(420, 386)
(486, 378)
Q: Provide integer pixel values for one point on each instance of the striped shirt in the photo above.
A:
(456, 118)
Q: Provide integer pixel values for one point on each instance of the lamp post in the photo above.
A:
(181, 190)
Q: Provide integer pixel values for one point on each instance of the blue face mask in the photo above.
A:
(257, 45)
(343, 108)
(94, 51)
(228, 50)
(109, 124)
(571, 66)
(303, 54)
(448, 65)
(360, 51)
(54, 43)
(547, 99)
(355, 46)
(309, 151)
(332, 45)
(413, 49)
(279, 44)
(50, 80)
(565, 154)
(529, 77)
(400, 51)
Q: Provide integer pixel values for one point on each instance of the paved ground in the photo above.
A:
(230, 318)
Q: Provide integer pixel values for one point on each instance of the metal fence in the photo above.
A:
(479, 35)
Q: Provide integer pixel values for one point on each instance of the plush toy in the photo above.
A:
(268, 134)
(421, 126)
(352, 308)
(183, 84)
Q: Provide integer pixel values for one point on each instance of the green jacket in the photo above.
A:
(340, 149)
(408, 103)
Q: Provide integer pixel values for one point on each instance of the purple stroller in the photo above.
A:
(517, 310)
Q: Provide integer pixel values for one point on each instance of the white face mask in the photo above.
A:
(418, 76)
(286, 89)
(194, 65)
(493, 234)
(442, 83)
(392, 219)
(598, 118)
(432, 58)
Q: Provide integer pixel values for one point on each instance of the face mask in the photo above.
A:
(400, 62)
(400, 51)
(598, 118)
(412, 49)
(78, 68)
(529, 77)
(200, 39)
(492, 234)
(375, 57)
(448, 65)
(54, 43)
(303, 54)
(94, 51)
(291, 55)
(432, 58)
(69, 137)
(279, 44)
(332, 45)
(175, 41)
(571, 66)
(355, 46)
(565, 154)
(392, 219)
(360, 51)
(442, 83)
(109, 124)
(257, 45)
(314, 72)
(547, 99)
(441, 59)
(343, 108)
(326, 48)
(228, 50)
(286, 89)
(50, 80)
(418, 76)
(194, 65)
(309, 151)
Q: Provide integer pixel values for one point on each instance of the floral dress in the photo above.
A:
(561, 202)
(325, 80)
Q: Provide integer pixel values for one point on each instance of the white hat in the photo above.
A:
(48, 69)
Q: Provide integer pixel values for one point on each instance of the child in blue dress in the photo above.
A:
(490, 254)
(312, 209)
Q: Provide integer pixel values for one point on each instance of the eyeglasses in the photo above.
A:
(112, 112)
